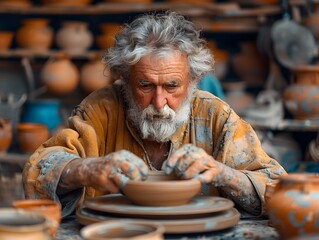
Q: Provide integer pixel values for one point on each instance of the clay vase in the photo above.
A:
(60, 75)
(31, 135)
(221, 58)
(106, 39)
(46, 207)
(5, 135)
(294, 207)
(5, 40)
(301, 96)
(35, 34)
(130, 230)
(94, 75)
(21, 225)
(74, 36)
(44, 111)
(311, 22)
(249, 65)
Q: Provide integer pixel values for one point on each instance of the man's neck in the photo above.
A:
(157, 152)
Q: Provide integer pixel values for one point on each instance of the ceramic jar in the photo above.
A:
(46, 111)
(5, 40)
(94, 75)
(74, 36)
(60, 75)
(294, 207)
(46, 207)
(301, 96)
(31, 135)
(311, 22)
(5, 135)
(20, 225)
(221, 58)
(106, 39)
(35, 34)
(68, 3)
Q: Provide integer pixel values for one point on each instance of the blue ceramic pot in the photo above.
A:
(42, 111)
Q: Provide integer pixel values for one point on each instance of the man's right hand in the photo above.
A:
(108, 173)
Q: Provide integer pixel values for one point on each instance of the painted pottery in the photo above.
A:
(294, 207)
(94, 75)
(74, 36)
(46, 207)
(60, 75)
(21, 225)
(35, 34)
(161, 190)
(5, 39)
(133, 230)
(44, 111)
(31, 135)
(5, 135)
(106, 39)
(301, 96)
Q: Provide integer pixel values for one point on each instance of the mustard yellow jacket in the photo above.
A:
(98, 126)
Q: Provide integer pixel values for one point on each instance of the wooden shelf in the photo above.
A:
(218, 9)
(290, 125)
(15, 158)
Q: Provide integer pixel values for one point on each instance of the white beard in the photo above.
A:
(158, 125)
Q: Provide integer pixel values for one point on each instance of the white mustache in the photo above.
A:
(152, 113)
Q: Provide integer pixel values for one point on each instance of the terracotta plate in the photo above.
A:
(120, 205)
(210, 222)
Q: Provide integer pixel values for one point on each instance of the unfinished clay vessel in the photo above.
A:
(117, 229)
(301, 96)
(5, 135)
(106, 39)
(31, 135)
(161, 190)
(46, 207)
(293, 207)
(21, 225)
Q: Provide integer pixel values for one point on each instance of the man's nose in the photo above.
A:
(159, 99)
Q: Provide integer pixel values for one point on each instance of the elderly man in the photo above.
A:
(152, 119)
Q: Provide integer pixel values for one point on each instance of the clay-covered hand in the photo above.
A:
(192, 162)
(113, 171)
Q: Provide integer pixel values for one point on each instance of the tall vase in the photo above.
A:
(35, 34)
(301, 96)
(293, 207)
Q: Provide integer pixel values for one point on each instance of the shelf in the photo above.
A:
(18, 53)
(289, 125)
(217, 9)
(15, 158)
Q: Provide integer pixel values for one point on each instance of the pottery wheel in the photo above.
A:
(119, 204)
(209, 222)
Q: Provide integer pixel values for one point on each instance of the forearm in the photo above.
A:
(237, 186)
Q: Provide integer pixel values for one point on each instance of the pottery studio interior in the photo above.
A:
(55, 53)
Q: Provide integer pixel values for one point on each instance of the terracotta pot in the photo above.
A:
(221, 58)
(46, 207)
(68, 3)
(74, 36)
(20, 225)
(293, 208)
(118, 229)
(35, 34)
(60, 75)
(161, 190)
(106, 39)
(5, 135)
(128, 1)
(301, 97)
(15, 3)
(5, 40)
(94, 75)
(311, 22)
(190, 1)
(31, 136)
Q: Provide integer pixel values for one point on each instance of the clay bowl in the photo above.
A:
(122, 230)
(46, 207)
(161, 190)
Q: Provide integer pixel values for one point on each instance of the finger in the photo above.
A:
(183, 164)
(169, 164)
(209, 176)
(119, 180)
(131, 170)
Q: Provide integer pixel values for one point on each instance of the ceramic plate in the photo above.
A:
(118, 204)
(210, 222)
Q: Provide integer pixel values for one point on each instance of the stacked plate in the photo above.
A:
(201, 214)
